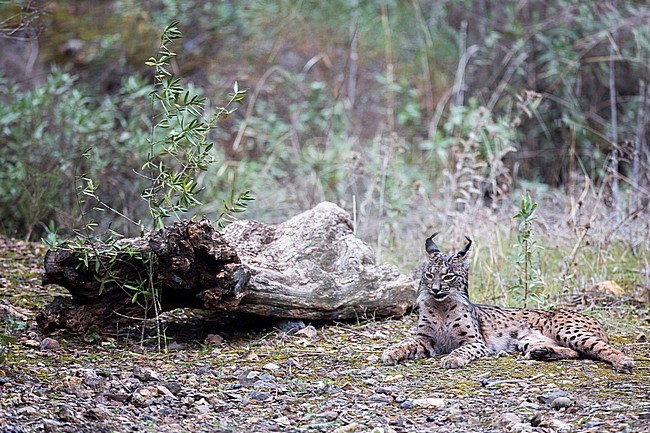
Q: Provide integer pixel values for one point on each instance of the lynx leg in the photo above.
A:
(464, 354)
(595, 347)
(413, 348)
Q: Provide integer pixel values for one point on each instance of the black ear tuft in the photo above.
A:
(431, 246)
(462, 253)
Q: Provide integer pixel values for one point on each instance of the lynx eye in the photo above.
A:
(448, 277)
(428, 275)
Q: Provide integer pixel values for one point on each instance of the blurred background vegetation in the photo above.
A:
(410, 114)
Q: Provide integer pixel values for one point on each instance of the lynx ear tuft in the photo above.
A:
(463, 253)
(431, 246)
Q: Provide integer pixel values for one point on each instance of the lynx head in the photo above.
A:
(445, 275)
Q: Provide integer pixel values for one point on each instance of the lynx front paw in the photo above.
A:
(453, 361)
(392, 356)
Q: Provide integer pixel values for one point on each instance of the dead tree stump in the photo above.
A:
(309, 267)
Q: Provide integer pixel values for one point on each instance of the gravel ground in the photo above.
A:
(326, 378)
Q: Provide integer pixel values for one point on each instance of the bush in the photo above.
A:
(46, 130)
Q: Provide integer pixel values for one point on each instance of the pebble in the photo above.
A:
(174, 387)
(49, 344)
(372, 358)
(283, 421)
(407, 404)
(561, 402)
(174, 346)
(290, 326)
(307, 332)
(31, 343)
(293, 363)
(560, 426)
(248, 377)
(215, 339)
(260, 396)
(381, 398)
(328, 415)
(509, 418)
(144, 374)
(347, 428)
(429, 403)
(548, 397)
(271, 366)
(51, 426)
(387, 390)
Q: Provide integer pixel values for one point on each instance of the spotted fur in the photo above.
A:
(450, 324)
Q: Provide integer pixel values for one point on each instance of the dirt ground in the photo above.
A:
(215, 378)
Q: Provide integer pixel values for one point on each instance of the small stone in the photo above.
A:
(307, 332)
(271, 366)
(163, 390)
(173, 387)
(560, 426)
(260, 396)
(144, 374)
(406, 404)
(174, 346)
(50, 426)
(213, 339)
(293, 363)
(121, 397)
(203, 370)
(97, 413)
(561, 402)
(509, 418)
(387, 390)
(372, 358)
(394, 378)
(248, 377)
(328, 415)
(290, 326)
(519, 427)
(49, 344)
(429, 403)
(251, 356)
(144, 396)
(347, 428)
(381, 398)
(550, 396)
(283, 421)
(641, 338)
(31, 343)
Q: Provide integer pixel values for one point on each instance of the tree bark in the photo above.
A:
(309, 267)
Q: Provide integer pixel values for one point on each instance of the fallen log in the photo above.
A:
(309, 267)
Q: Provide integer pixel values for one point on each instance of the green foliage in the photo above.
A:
(42, 130)
(233, 206)
(529, 283)
(10, 326)
(175, 160)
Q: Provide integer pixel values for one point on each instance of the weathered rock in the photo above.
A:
(309, 267)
